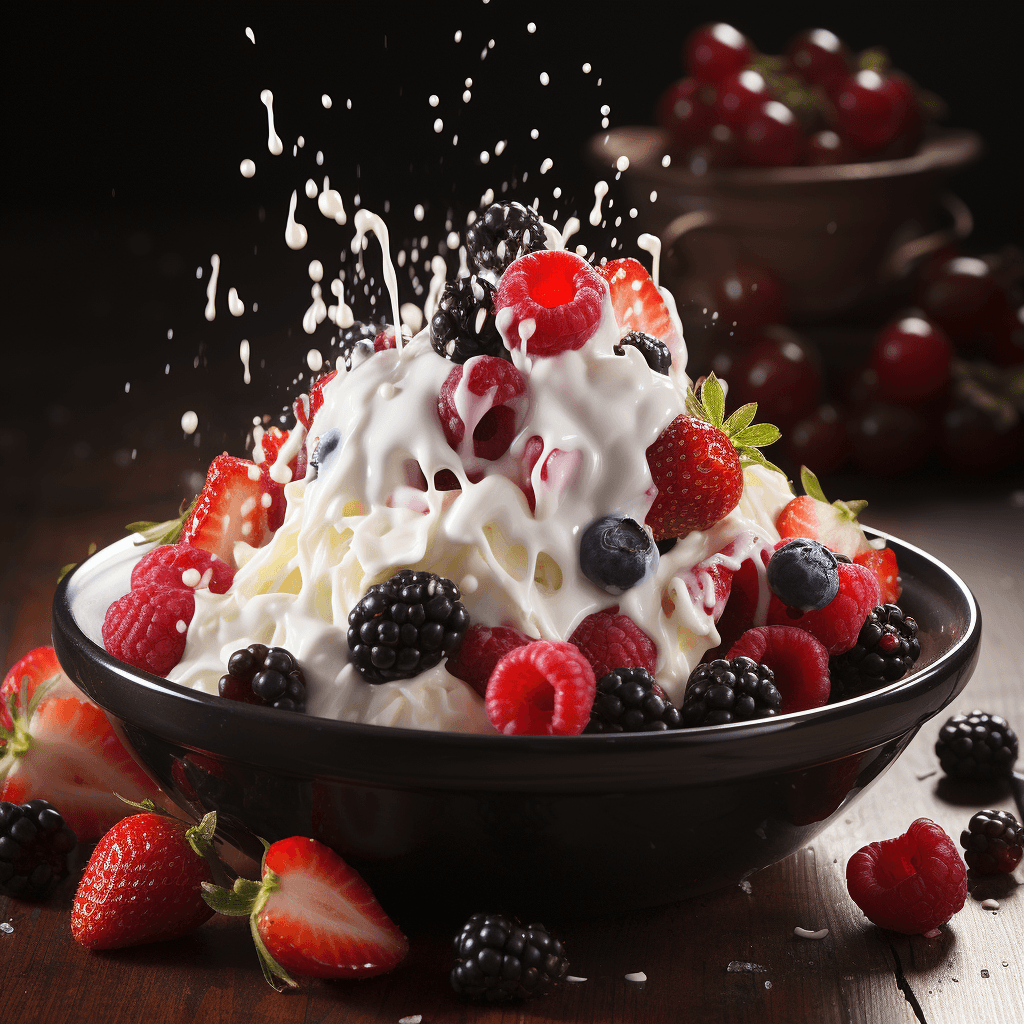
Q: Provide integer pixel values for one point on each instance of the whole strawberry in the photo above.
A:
(697, 462)
(311, 914)
(143, 882)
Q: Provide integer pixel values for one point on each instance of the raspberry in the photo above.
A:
(911, 884)
(174, 566)
(993, 842)
(557, 471)
(544, 688)
(486, 397)
(147, 627)
(549, 302)
(838, 624)
(798, 661)
(482, 648)
(610, 641)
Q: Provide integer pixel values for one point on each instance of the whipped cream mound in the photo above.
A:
(366, 514)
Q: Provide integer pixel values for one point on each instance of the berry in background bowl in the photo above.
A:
(825, 167)
(531, 821)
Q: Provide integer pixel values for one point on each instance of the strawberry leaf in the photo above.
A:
(712, 398)
(166, 532)
(811, 486)
(760, 435)
(741, 418)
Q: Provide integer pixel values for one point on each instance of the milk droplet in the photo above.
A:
(439, 126)
(295, 234)
(211, 288)
(547, 165)
(544, 78)
(311, 189)
(189, 422)
(274, 143)
(235, 305)
(418, 211)
(247, 167)
(330, 203)
(314, 360)
(433, 99)
(587, 68)
(316, 271)
(249, 33)
(622, 163)
(243, 354)
(600, 191)
(531, 27)
(326, 101)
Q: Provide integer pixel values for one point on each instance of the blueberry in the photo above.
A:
(617, 553)
(325, 448)
(804, 574)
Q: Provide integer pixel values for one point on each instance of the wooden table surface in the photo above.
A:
(974, 972)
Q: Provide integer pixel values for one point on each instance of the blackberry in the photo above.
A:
(617, 553)
(267, 676)
(463, 325)
(730, 691)
(35, 848)
(359, 337)
(629, 700)
(993, 842)
(501, 234)
(405, 625)
(498, 960)
(885, 651)
(655, 352)
(803, 574)
(977, 747)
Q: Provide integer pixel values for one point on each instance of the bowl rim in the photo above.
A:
(946, 149)
(329, 748)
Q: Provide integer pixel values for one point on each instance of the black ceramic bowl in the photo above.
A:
(587, 823)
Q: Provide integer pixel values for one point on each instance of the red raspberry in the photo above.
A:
(544, 688)
(558, 468)
(883, 564)
(838, 623)
(146, 628)
(549, 302)
(610, 641)
(486, 395)
(170, 565)
(799, 661)
(481, 649)
(911, 884)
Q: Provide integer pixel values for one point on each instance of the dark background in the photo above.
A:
(124, 137)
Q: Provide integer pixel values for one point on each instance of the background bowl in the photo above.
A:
(582, 824)
(836, 236)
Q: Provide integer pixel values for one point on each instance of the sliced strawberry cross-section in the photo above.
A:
(833, 524)
(638, 305)
(238, 502)
(486, 398)
(548, 302)
(60, 747)
(312, 915)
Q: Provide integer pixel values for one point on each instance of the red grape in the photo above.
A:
(714, 51)
(912, 358)
(819, 57)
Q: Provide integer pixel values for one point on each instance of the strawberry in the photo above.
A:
(238, 502)
(61, 748)
(697, 462)
(311, 914)
(639, 306)
(307, 406)
(143, 882)
(34, 668)
(883, 564)
(834, 525)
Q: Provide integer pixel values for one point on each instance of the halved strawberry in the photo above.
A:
(307, 406)
(34, 668)
(638, 305)
(312, 914)
(834, 525)
(61, 748)
(883, 564)
(239, 501)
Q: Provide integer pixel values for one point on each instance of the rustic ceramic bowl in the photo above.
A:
(588, 824)
(836, 236)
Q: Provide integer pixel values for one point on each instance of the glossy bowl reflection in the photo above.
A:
(582, 824)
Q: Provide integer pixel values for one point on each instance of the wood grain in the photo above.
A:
(851, 976)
